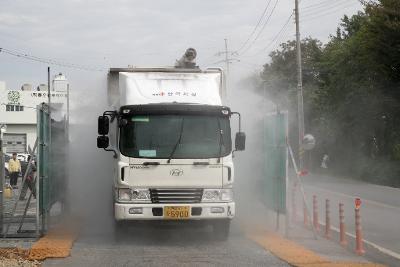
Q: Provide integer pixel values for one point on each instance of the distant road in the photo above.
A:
(380, 209)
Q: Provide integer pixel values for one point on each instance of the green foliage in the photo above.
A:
(351, 91)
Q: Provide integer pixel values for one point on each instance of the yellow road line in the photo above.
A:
(297, 255)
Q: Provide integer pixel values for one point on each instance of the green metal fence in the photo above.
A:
(58, 162)
(275, 160)
(26, 212)
(51, 161)
(43, 166)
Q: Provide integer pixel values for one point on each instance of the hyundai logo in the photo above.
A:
(176, 172)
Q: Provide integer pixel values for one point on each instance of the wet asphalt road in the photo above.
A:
(164, 246)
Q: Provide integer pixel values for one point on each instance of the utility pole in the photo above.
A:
(226, 56)
(48, 88)
(45, 216)
(228, 60)
(300, 108)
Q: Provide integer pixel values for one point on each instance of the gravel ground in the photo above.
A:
(16, 257)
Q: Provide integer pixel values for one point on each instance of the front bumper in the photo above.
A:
(199, 211)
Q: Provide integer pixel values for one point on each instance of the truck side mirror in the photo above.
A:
(240, 141)
(102, 141)
(103, 124)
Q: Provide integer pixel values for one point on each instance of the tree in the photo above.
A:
(351, 89)
(280, 78)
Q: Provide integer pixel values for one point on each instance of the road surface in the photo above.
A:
(380, 208)
(164, 246)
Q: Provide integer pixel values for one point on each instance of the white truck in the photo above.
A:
(171, 138)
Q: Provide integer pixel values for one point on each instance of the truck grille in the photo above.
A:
(176, 195)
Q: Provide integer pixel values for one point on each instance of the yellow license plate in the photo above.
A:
(177, 212)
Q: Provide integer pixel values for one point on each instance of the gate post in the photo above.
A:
(2, 178)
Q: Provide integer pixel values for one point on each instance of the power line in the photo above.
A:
(326, 7)
(284, 31)
(331, 11)
(262, 29)
(255, 28)
(284, 35)
(318, 5)
(280, 33)
(48, 61)
(284, 28)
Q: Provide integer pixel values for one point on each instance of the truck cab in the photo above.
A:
(171, 138)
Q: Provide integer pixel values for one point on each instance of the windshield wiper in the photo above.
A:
(221, 141)
(177, 143)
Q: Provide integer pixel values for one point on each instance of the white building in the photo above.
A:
(18, 111)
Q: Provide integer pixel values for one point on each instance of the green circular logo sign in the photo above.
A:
(13, 97)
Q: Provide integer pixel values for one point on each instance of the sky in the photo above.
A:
(100, 34)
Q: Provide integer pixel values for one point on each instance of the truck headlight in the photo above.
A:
(124, 194)
(217, 195)
(134, 195)
(141, 195)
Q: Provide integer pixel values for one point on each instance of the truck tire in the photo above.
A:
(221, 229)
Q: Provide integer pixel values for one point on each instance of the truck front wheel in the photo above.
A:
(221, 229)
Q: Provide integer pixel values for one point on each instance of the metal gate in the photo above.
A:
(25, 211)
(52, 154)
(43, 166)
(276, 161)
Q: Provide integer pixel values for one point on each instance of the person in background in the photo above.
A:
(14, 168)
(30, 179)
(325, 160)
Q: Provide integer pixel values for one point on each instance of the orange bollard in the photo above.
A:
(315, 213)
(342, 226)
(327, 220)
(359, 242)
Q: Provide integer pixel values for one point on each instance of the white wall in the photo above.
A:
(28, 129)
(24, 122)
(28, 99)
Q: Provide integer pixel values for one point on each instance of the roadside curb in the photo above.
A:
(297, 255)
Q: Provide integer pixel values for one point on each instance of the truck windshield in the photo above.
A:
(156, 136)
